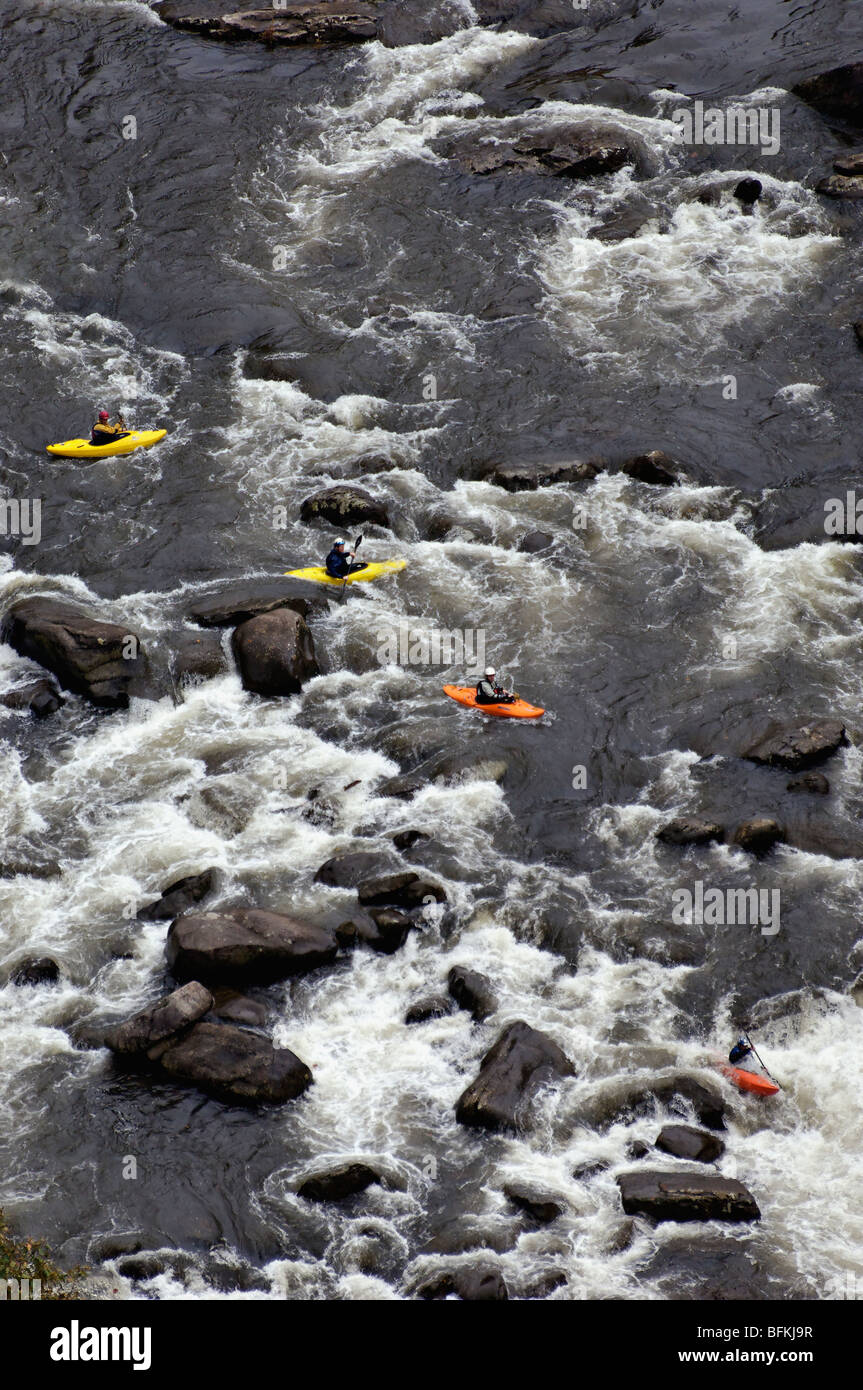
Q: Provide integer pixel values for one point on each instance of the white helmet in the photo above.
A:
(339, 542)
(489, 670)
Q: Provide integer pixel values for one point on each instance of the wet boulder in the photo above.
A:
(539, 1203)
(850, 164)
(689, 830)
(837, 93)
(178, 896)
(275, 653)
(240, 602)
(557, 153)
(235, 1007)
(521, 1060)
(40, 698)
(758, 835)
(527, 477)
(198, 658)
(406, 890)
(684, 1196)
(246, 944)
(748, 191)
(90, 658)
(233, 1064)
(145, 1031)
(390, 930)
(685, 1141)
(591, 1168)
(534, 542)
(840, 186)
(349, 870)
(430, 1006)
(676, 1094)
(473, 992)
(35, 970)
(471, 1283)
(796, 746)
(334, 1184)
(656, 468)
(345, 506)
(406, 839)
(291, 22)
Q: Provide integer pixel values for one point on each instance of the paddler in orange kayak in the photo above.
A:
(487, 693)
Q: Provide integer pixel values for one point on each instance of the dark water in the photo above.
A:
(297, 203)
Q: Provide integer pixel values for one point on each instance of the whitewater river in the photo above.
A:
(297, 201)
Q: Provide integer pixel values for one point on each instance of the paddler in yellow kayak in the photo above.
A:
(104, 432)
(340, 562)
(488, 693)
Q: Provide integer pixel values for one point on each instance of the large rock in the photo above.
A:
(527, 477)
(334, 1184)
(235, 1065)
(685, 1141)
(430, 1006)
(472, 991)
(520, 1061)
(349, 870)
(673, 1093)
(295, 22)
(686, 1196)
(796, 746)
(840, 186)
(179, 896)
(345, 506)
(91, 658)
(275, 653)
(851, 164)
(390, 930)
(837, 93)
(145, 1031)
(561, 154)
(239, 602)
(40, 698)
(814, 782)
(406, 890)
(689, 830)
(246, 944)
(539, 1203)
(35, 970)
(198, 657)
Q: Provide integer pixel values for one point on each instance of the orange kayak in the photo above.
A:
(748, 1080)
(466, 695)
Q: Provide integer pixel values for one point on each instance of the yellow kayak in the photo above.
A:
(373, 570)
(83, 449)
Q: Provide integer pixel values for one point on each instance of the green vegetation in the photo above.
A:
(31, 1259)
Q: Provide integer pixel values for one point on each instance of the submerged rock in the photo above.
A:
(558, 153)
(534, 542)
(275, 653)
(344, 506)
(334, 1184)
(795, 746)
(685, 1141)
(849, 164)
(837, 93)
(656, 467)
(406, 839)
(690, 830)
(235, 1065)
(179, 896)
(172, 1014)
(472, 991)
(41, 698)
(431, 1006)
(91, 658)
(246, 944)
(758, 835)
(814, 782)
(349, 870)
(686, 1196)
(520, 1061)
(35, 970)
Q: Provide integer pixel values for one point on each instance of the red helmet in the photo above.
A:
(103, 415)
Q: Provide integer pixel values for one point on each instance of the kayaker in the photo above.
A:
(739, 1052)
(488, 693)
(340, 562)
(104, 432)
